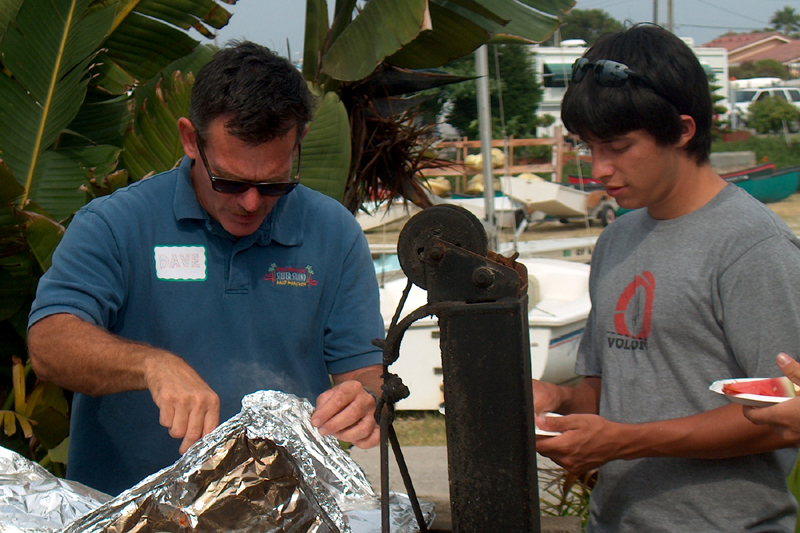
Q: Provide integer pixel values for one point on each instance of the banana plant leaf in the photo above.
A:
(50, 77)
(15, 267)
(147, 35)
(99, 122)
(191, 63)
(8, 10)
(426, 34)
(109, 77)
(326, 149)
(47, 407)
(461, 26)
(315, 32)
(56, 184)
(142, 46)
(42, 235)
(154, 144)
(394, 81)
(379, 30)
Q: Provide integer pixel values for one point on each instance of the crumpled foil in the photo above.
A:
(265, 469)
(33, 500)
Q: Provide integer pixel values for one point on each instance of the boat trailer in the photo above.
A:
(480, 299)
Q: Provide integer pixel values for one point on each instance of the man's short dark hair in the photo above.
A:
(599, 113)
(262, 94)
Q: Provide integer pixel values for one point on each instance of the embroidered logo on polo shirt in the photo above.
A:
(180, 263)
(291, 276)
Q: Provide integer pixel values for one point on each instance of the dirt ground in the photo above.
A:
(788, 210)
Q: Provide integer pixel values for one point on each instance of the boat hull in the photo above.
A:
(770, 188)
(556, 320)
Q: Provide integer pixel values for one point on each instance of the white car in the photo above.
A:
(744, 97)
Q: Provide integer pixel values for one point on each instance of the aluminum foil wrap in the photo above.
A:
(264, 470)
(34, 500)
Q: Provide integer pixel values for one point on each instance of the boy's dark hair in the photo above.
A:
(262, 94)
(679, 87)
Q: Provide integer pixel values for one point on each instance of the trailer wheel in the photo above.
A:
(608, 215)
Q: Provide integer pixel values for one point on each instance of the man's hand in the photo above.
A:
(84, 358)
(587, 441)
(188, 407)
(783, 418)
(545, 397)
(347, 411)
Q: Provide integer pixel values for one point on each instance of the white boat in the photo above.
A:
(551, 198)
(505, 209)
(558, 308)
(569, 249)
(375, 214)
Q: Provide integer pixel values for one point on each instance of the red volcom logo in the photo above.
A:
(645, 281)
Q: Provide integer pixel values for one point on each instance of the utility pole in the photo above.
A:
(655, 11)
(485, 128)
(670, 25)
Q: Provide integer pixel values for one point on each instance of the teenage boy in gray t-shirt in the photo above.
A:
(700, 285)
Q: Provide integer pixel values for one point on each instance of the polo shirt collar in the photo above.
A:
(186, 205)
(283, 225)
(285, 220)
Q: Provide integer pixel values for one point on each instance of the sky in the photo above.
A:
(273, 22)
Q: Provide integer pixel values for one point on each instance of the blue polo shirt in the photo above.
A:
(279, 309)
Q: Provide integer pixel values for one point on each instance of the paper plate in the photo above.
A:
(543, 433)
(753, 400)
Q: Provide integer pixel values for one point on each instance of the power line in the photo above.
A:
(717, 27)
(731, 12)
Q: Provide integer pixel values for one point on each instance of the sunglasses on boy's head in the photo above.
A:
(266, 188)
(609, 73)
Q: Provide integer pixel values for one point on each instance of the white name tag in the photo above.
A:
(180, 263)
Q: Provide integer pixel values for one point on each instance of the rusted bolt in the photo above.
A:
(436, 252)
(483, 277)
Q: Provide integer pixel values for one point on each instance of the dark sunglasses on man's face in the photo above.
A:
(266, 188)
(609, 73)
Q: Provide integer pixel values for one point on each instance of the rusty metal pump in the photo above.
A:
(480, 299)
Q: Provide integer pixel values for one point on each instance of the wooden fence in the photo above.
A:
(461, 171)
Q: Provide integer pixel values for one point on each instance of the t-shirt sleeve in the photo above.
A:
(86, 276)
(355, 319)
(760, 302)
(587, 362)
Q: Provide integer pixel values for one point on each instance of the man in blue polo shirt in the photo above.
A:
(171, 299)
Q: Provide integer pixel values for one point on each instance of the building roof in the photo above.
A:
(786, 53)
(731, 41)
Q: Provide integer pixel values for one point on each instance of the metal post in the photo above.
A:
(670, 25)
(485, 126)
(491, 446)
(655, 11)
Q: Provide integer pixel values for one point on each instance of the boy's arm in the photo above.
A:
(589, 441)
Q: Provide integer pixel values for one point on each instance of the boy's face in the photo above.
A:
(637, 172)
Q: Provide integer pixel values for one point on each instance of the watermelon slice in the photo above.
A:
(781, 387)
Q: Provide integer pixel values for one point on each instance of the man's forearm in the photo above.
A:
(717, 434)
(369, 377)
(79, 356)
(582, 398)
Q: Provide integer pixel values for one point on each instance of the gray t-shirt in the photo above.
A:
(676, 305)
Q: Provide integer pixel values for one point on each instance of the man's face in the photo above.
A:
(228, 157)
(637, 172)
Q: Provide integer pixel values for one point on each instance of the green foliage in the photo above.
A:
(520, 90)
(587, 24)
(69, 99)
(764, 68)
(372, 56)
(768, 148)
(770, 114)
(786, 20)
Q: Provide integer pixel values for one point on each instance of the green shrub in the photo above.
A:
(769, 114)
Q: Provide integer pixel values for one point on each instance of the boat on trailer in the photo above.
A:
(558, 306)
